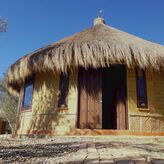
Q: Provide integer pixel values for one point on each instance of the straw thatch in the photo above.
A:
(98, 46)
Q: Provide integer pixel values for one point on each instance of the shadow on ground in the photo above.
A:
(22, 153)
(19, 153)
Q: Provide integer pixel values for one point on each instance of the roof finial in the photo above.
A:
(99, 19)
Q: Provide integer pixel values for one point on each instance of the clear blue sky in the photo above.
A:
(36, 23)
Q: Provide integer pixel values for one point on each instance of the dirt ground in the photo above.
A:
(82, 149)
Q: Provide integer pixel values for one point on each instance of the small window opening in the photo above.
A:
(27, 95)
(141, 88)
(63, 89)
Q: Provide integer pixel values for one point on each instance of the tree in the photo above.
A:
(8, 104)
(3, 24)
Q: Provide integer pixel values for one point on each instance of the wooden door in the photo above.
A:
(90, 99)
(121, 99)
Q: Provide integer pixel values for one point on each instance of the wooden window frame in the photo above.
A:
(27, 83)
(145, 106)
(65, 105)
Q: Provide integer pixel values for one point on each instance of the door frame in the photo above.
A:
(78, 100)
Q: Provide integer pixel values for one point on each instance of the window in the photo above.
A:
(141, 88)
(63, 88)
(28, 93)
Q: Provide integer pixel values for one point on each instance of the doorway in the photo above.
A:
(102, 98)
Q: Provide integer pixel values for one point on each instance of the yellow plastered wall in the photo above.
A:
(45, 117)
(149, 119)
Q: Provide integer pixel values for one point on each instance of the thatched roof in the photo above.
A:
(98, 46)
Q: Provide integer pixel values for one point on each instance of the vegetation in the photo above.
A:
(8, 104)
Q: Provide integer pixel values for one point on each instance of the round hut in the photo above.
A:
(100, 80)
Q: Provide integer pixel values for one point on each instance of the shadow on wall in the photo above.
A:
(45, 116)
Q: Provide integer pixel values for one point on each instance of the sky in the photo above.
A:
(33, 24)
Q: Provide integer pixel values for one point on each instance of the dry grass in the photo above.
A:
(98, 46)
